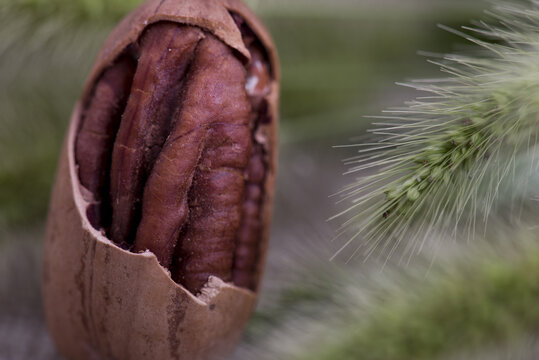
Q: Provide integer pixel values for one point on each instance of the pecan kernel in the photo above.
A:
(168, 151)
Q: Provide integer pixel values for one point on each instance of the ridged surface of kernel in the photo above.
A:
(181, 171)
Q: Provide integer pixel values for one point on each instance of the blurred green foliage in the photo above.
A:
(479, 304)
(334, 71)
(43, 63)
(83, 9)
(336, 68)
(303, 298)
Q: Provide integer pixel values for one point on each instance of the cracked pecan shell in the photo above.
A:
(160, 213)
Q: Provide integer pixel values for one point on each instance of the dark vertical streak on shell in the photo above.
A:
(166, 53)
(177, 314)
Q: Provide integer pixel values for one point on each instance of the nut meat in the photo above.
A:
(169, 165)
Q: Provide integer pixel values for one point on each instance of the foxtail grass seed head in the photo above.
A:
(438, 163)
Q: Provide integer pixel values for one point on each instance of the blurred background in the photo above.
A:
(340, 61)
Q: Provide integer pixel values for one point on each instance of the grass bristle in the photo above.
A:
(438, 163)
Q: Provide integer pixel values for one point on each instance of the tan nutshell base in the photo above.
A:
(102, 302)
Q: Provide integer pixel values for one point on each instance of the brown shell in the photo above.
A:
(103, 302)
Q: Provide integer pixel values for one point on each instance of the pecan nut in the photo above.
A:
(167, 173)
